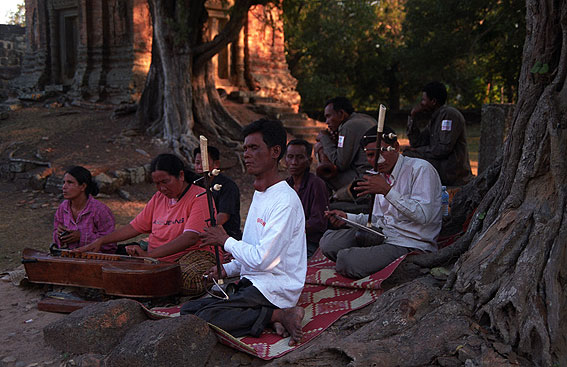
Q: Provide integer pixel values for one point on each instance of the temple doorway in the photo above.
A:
(68, 45)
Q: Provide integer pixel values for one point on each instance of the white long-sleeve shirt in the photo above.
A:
(273, 250)
(410, 213)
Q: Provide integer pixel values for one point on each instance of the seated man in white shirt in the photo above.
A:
(407, 206)
(271, 258)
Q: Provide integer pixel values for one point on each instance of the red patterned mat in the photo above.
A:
(326, 297)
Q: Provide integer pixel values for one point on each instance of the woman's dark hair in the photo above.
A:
(172, 164)
(273, 133)
(83, 176)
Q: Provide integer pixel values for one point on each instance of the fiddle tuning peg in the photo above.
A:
(389, 136)
(215, 172)
(217, 187)
(388, 149)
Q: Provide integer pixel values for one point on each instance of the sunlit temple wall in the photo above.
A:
(101, 50)
(92, 49)
(12, 49)
(264, 48)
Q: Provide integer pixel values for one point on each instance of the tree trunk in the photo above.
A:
(516, 266)
(180, 89)
(393, 86)
(208, 108)
(165, 108)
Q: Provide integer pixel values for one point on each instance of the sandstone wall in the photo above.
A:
(106, 57)
(264, 51)
(107, 53)
(12, 49)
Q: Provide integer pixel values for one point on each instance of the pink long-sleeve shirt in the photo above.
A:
(94, 221)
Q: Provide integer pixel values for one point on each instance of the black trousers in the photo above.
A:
(246, 312)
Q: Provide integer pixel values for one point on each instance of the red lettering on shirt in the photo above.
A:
(261, 221)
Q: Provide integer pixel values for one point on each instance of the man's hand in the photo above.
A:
(416, 111)
(372, 184)
(337, 223)
(213, 273)
(322, 133)
(135, 250)
(91, 247)
(213, 236)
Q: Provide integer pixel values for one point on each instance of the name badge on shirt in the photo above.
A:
(341, 141)
(446, 125)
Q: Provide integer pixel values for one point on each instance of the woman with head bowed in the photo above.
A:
(173, 218)
(81, 219)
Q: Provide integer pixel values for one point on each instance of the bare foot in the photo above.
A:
(280, 329)
(290, 319)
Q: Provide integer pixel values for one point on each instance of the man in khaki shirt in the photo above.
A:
(341, 142)
(443, 142)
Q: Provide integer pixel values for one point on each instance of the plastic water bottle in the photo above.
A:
(444, 201)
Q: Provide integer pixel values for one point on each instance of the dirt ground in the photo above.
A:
(66, 136)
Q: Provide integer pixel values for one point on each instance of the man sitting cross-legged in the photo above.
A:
(407, 206)
(271, 258)
(311, 190)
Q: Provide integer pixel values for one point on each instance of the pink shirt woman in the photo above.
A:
(81, 219)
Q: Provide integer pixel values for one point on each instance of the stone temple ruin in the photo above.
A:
(12, 49)
(100, 50)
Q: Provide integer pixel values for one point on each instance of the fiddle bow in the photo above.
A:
(208, 176)
(362, 235)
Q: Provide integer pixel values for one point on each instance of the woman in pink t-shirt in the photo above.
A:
(173, 218)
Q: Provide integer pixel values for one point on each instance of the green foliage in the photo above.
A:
(18, 17)
(474, 46)
(539, 68)
(341, 48)
(367, 50)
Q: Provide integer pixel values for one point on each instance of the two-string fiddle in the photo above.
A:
(209, 174)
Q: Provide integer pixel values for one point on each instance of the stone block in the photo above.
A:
(106, 184)
(147, 169)
(237, 94)
(54, 184)
(19, 167)
(97, 328)
(124, 195)
(179, 341)
(122, 176)
(137, 175)
(34, 97)
(38, 177)
(5, 172)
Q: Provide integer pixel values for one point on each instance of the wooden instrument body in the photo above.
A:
(114, 274)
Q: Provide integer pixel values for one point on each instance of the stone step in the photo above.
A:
(309, 137)
(294, 116)
(260, 99)
(303, 130)
(272, 110)
(303, 122)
